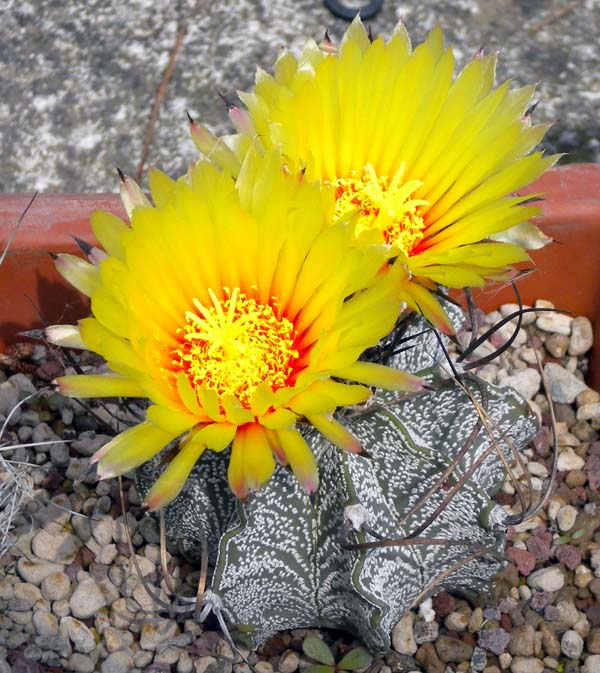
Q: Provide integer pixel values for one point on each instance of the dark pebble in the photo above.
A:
(451, 649)
(494, 640)
(540, 600)
(539, 544)
(575, 478)
(593, 614)
(163, 667)
(207, 645)
(84, 422)
(579, 495)
(425, 632)
(541, 442)
(23, 665)
(503, 498)
(568, 555)
(492, 612)
(72, 570)
(564, 413)
(593, 641)
(594, 587)
(428, 658)
(50, 370)
(479, 659)
(443, 603)
(592, 469)
(523, 559)
(399, 663)
(52, 480)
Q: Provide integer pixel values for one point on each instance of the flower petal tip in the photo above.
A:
(354, 447)
(106, 473)
(152, 504)
(311, 485)
(414, 384)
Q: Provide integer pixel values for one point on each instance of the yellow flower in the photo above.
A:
(428, 163)
(231, 306)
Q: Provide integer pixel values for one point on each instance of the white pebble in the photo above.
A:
(526, 382)
(589, 412)
(537, 469)
(563, 385)
(582, 336)
(403, 639)
(571, 644)
(568, 460)
(547, 579)
(508, 309)
(426, 610)
(566, 518)
(555, 323)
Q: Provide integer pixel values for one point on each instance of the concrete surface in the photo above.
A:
(78, 80)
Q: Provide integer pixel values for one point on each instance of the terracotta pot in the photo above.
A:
(31, 291)
(568, 270)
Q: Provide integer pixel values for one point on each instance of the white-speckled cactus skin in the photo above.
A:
(281, 558)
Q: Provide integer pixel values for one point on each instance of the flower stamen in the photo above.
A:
(385, 205)
(235, 345)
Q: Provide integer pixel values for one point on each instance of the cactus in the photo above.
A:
(283, 559)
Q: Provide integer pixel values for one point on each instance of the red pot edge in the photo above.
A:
(570, 207)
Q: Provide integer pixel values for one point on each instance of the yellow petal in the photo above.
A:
(130, 449)
(80, 273)
(161, 186)
(98, 385)
(234, 412)
(278, 419)
(258, 457)
(170, 420)
(216, 436)
(336, 433)
(65, 336)
(108, 229)
(131, 195)
(171, 481)
(188, 395)
(423, 301)
(117, 351)
(210, 402)
(300, 458)
(372, 374)
(235, 470)
(311, 401)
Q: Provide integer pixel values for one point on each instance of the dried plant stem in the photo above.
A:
(558, 14)
(443, 575)
(18, 223)
(158, 99)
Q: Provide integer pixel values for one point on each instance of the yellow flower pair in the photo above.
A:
(240, 302)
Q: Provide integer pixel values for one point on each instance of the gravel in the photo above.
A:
(70, 597)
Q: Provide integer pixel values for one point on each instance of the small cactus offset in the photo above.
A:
(381, 533)
(356, 659)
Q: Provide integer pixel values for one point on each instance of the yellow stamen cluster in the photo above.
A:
(385, 205)
(235, 345)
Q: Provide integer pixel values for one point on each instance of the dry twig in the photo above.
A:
(13, 233)
(158, 99)
(559, 13)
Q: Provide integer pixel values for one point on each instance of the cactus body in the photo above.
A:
(282, 559)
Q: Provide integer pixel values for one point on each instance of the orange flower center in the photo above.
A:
(383, 204)
(235, 345)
